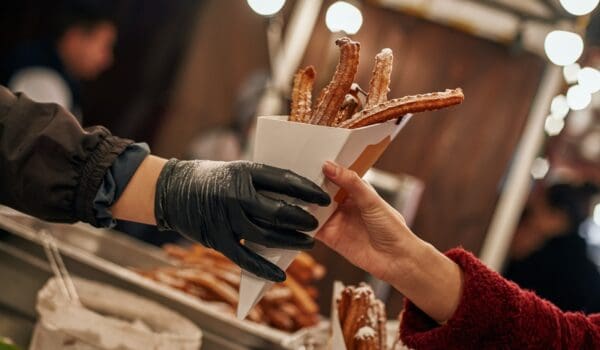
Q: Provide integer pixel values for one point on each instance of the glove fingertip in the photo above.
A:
(256, 264)
(272, 273)
(319, 196)
(324, 199)
(279, 275)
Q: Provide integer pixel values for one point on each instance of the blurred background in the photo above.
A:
(511, 174)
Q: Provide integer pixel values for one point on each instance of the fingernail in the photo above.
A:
(330, 169)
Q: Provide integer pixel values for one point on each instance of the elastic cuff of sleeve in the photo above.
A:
(92, 176)
(115, 180)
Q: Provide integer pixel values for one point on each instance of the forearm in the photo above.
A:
(51, 167)
(137, 201)
(429, 279)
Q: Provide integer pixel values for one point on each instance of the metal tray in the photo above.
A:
(105, 256)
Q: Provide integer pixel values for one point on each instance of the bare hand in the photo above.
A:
(373, 236)
(365, 229)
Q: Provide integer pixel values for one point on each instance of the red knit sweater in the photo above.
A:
(494, 313)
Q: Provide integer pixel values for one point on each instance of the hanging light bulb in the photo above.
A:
(539, 168)
(579, 122)
(559, 108)
(342, 16)
(579, 7)
(553, 126)
(266, 7)
(590, 146)
(570, 72)
(562, 47)
(578, 98)
(589, 79)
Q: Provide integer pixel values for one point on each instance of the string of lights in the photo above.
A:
(564, 48)
(341, 16)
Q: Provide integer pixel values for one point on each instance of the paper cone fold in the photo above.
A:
(304, 148)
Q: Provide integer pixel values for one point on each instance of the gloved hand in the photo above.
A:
(217, 204)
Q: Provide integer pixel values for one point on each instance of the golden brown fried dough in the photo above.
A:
(397, 108)
(332, 96)
(379, 86)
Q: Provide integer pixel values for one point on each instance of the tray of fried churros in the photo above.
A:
(208, 275)
(196, 282)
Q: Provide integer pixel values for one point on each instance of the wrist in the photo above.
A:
(431, 280)
(409, 259)
(137, 201)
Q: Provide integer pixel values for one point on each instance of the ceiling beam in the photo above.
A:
(524, 16)
(558, 11)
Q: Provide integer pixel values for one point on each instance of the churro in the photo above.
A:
(362, 318)
(332, 96)
(379, 86)
(397, 108)
(302, 95)
(366, 339)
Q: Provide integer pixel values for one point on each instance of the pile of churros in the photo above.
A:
(362, 318)
(342, 103)
(210, 276)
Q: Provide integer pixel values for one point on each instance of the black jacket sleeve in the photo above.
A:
(49, 166)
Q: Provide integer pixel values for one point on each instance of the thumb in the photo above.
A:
(363, 194)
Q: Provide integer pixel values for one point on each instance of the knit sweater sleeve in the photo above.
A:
(494, 313)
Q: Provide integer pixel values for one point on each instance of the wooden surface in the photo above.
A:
(461, 153)
(228, 46)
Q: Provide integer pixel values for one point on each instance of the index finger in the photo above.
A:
(348, 180)
(286, 182)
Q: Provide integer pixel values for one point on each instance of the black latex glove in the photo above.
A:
(217, 204)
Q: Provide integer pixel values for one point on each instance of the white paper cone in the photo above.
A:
(304, 148)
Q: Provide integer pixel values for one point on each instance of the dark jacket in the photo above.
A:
(50, 167)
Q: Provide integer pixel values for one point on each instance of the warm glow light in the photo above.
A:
(539, 168)
(342, 16)
(590, 146)
(570, 72)
(553, 126)
(578, 98)
(266, 7)
(579, 122)
(559, 108)
(589, 79)
(597, 214)
(579, 7)
(563, 48)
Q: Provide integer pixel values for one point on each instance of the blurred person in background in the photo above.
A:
(548, 255)
(78, 46)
